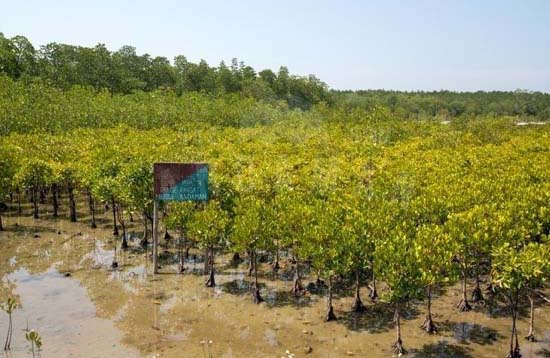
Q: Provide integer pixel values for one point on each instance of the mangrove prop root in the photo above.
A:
(358, 306)
(429, 325)
(124, 245)
(330, 314)
(373, 294)
(211, 282)
(256, 297)
(477, 295)
(297, 287)
(398, 348)
(464, 306)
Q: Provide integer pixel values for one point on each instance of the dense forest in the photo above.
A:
(63, 67)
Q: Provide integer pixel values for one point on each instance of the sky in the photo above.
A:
(460, 45)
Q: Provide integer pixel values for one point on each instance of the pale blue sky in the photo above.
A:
(407, 45)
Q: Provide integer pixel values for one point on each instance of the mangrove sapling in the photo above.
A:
(34, 338)
(9, 307)
(428, 325)
(326, 244)
(433, 249)
(397, 263)
(210, 227)
(535, 259)
(507, 274)
(362, 233)
(251, 233)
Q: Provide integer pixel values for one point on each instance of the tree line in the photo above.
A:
(125, 71)
(448, 104)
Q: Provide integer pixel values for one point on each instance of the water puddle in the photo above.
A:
(59, 309)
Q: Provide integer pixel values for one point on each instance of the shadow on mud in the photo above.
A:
(377, 318)
(272, 297)
(465, 332)
(441, 349)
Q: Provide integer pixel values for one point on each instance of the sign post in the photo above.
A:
(176, 182)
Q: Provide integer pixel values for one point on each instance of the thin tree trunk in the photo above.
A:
(428, 324)
(11, 331)
(42, 196)
(275, 266)
(120, 214)
(330, 310)
(206, 261)
(8, 336)
(250, 262)
(531, 335)
(181, 244)
(145, 240)
(19, 211)
(463, 305)
(91, 205)
(211, 282)
(297, 286)
(514, 348)
(373, 294)
(358, 306)
(399, 350)
(1, 226)
(35, 203)
(55, 203)
(115, 229)
(256, 295)
(477, 295)
(72, 204)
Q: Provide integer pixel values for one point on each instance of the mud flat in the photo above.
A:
(60, 272)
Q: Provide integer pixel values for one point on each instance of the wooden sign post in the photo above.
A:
(176, 182)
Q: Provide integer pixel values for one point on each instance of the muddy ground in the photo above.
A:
(61, 274)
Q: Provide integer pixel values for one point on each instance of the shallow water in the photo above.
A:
(98, 312)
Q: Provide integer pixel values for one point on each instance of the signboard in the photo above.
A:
(180, 181)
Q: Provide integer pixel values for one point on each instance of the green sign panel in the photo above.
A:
(181, 182)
